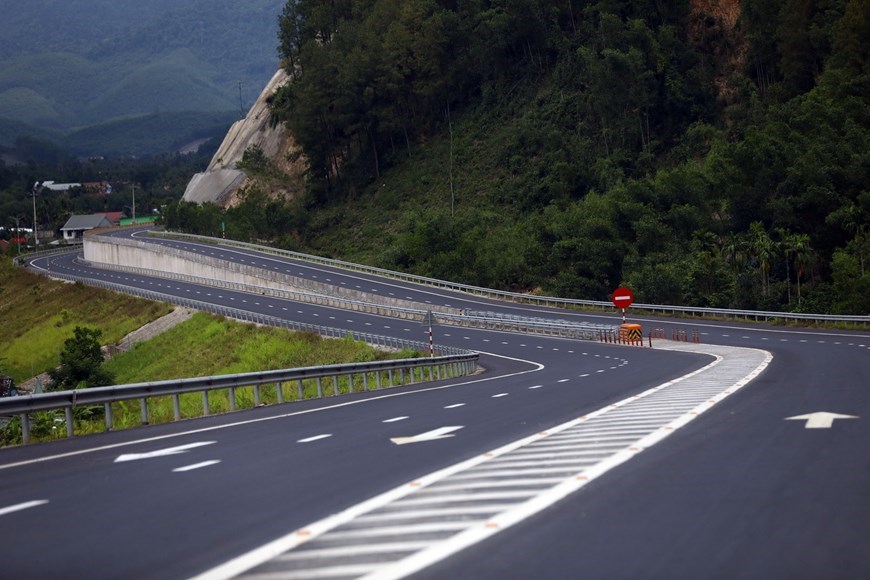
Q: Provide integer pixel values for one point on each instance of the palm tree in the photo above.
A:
(763, 249)
(803, 258)
(787, 247)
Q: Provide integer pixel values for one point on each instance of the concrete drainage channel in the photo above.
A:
(424, 521)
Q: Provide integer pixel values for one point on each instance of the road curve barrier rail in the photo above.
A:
(308, 382)
(449, 362)
(546, 301)
(467, 319)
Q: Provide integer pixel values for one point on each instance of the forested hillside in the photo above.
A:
(703, 152)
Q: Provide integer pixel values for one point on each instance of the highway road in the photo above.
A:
(563, 459)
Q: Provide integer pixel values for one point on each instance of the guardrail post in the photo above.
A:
(279, 393)
(25, 428)
(205, 403)
(232, 394)
(68, 419)
(365, 381)
(300, 391)
(390, 376)
(176, 407)
(401, 376)
(335, 389)
(109, 423)
(143, 404)
(378, 380)
(319, 387)
(430, 372)
(350, 382)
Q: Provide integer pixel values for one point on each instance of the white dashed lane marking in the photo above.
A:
(315, 438)
(468, 502)
(196, 466)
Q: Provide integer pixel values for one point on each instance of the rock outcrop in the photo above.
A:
(222, 178)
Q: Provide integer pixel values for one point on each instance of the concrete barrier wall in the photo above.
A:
(111, 251)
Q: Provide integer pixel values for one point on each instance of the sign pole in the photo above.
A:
(623, 315)
(429, 320)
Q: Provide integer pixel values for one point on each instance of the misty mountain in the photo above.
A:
(67, 64)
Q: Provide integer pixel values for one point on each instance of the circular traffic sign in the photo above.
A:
(622, 297)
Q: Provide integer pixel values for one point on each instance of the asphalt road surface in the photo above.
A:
(564, 459)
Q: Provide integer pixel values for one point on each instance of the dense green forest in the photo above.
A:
(697, 155)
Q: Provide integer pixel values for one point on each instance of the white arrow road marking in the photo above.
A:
(440, 433)
(22, 506)
(162, 452)
(196, 466)
(819, 420)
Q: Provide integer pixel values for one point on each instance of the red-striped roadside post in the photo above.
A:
(429, 320)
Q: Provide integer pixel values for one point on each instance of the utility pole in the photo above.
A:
(17, 231)
(35, 229)
(241, 107)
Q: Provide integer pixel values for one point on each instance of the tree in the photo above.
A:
(803, 258)
(762, 248)
(81, 362)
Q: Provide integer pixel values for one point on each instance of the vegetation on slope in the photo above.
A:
(38, 314)
(202, 346)
(569, 148)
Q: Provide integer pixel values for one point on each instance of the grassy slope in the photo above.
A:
(205, 345)
(37, 315)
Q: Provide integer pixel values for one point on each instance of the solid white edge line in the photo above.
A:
(538, 367)
(249, 560)
(481, 531)
(22, 506)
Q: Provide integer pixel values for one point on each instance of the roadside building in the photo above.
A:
(65, 187)
(77, 225)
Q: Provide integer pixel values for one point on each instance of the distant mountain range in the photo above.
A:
(68, 65)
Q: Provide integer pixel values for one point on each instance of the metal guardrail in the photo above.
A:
(468, 319)
(264, 319)
(450, 362)
(21, 259)
(546, 301)
(449, 366)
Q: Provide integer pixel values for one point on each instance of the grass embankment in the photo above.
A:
(208, 345)
(37, 315)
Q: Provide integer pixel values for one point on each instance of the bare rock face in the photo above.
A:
(222, 179)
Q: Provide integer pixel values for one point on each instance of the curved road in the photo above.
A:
(739, 492)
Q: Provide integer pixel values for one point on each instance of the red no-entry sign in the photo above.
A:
(622, 298)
